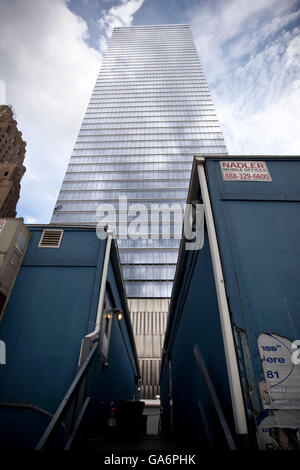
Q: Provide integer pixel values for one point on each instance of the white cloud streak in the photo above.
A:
(118, 15)
(250, 52)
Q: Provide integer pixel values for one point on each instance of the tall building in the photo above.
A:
(12, 154)
(149, 114)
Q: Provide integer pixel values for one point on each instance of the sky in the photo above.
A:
(51, 53)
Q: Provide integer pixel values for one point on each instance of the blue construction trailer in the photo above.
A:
(70, 349)
(230, 369)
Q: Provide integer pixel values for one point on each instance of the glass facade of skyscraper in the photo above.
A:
(149, 114)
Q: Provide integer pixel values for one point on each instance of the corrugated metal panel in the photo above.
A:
(149, 305)
(149, 391)
(149, 323)
(150, 369)
(149, 346)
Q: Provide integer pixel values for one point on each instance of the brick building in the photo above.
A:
(12, 153)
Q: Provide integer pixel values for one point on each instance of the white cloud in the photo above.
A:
(250, 52)
(119, 15)
(49, 73)
(102, 43)
(31, 220)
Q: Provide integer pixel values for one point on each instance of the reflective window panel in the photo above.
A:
(149, 114)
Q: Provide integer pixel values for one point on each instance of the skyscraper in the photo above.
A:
(149, 114)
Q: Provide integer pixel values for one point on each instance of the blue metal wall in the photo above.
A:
(52, 307)
(194, 319)
(258, 228)
(258, 231)
(118, 380)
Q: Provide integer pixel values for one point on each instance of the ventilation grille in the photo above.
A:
(51, 239)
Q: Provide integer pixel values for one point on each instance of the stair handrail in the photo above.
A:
(67, 401)
(214, 398)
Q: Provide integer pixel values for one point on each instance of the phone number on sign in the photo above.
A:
(247, 176)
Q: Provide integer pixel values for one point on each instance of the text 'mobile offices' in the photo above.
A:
(150, 112)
